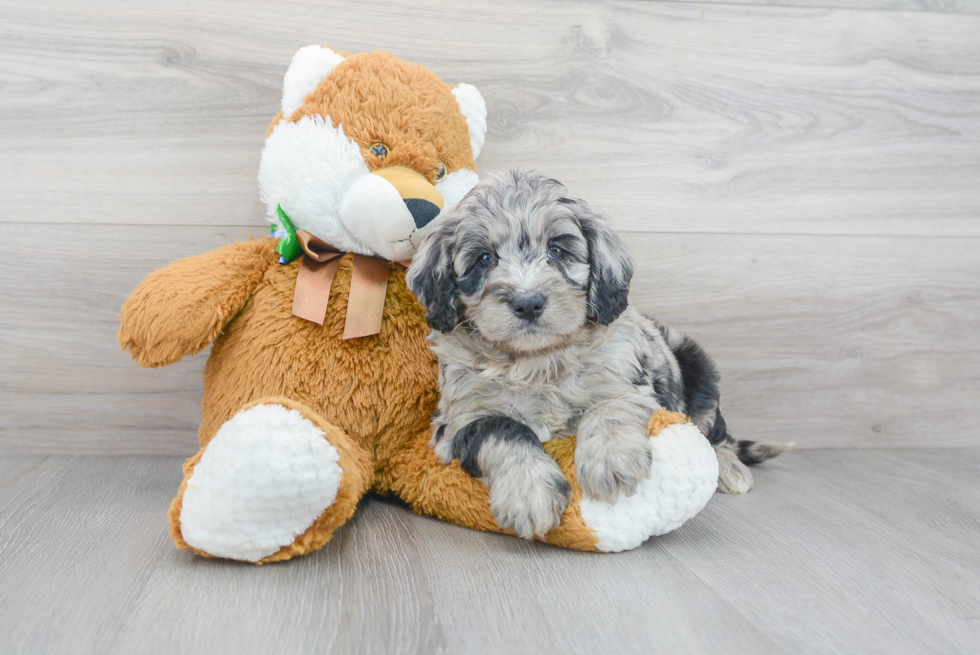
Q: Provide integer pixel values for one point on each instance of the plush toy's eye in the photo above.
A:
(379, 150)
(555, 252)
(486, 260)
(440, 172)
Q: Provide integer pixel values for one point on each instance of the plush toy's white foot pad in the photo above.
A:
(261, 482)
(683, 477)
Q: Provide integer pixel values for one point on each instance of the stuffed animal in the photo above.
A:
(320, 384)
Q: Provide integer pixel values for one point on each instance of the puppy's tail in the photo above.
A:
(748, 452)
(756, 452)
(701, 397)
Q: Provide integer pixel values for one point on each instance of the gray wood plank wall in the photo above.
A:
(799, 185)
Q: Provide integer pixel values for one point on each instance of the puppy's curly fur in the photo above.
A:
(526, 291)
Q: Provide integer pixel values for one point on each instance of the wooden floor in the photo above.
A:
(837, 551)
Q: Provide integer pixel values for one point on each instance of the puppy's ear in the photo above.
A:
(433, 281)
(611, 264)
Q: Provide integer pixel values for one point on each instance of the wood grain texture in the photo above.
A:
(668, 116)
(829, 341)
(942, 6)
(835, 551)
(798, 185)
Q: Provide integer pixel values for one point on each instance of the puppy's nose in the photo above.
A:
(527, 305)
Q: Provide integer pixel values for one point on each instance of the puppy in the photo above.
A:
(525, 288)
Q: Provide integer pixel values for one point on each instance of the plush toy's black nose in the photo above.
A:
(527, 305)
(422, 211)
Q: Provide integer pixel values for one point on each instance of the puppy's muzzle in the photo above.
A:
(528, 306)
(389, 206)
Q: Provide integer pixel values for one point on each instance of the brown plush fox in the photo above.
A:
(320, 384)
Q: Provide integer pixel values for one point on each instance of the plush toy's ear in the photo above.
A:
(309, 66)
(611, 264)
(433, 281)
(475, 109)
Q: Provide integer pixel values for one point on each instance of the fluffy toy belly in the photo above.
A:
(367, 386)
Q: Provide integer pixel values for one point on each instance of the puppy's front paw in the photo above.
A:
(608, 465)
(531, 497)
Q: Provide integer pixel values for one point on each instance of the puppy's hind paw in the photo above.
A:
(530, 499)
(734, 477)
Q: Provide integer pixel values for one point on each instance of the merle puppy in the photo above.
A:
(526, 292)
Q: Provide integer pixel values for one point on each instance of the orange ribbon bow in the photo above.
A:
(368, 285)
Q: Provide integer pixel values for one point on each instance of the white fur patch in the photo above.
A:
(307, 167)
(263, 480)
(374, 212)
(456, 185)
(474, 108)
(683, 477)
(307, 69)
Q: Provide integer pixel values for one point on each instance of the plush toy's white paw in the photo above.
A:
(261, 482)
(683, 477)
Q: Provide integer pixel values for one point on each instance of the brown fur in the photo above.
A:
(378, 97)
(181, 309)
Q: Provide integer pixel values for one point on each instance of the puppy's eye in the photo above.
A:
(440, 172)
(486, 260)
(379, 150)
(555, 252)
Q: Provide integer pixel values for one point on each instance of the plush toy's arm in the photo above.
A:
(181, 308)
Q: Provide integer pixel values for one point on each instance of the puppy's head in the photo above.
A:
(523, 263)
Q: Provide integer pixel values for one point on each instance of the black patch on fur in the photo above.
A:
(667, 393)
(435, 287)
(718, 434)
(701, 394)
(753, 452)
(472, 280)
(475, 275)
(608, 295)
(566, 201)
(644, 375)
(441, 306)
(469, 440)
(746, 455)
(609, 299)
(440, 432)
(524, 241)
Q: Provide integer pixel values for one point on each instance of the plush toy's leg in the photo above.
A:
(683, 477)
(415, 474)
(274, 482)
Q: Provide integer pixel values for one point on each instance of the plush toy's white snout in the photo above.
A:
(391, 210)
